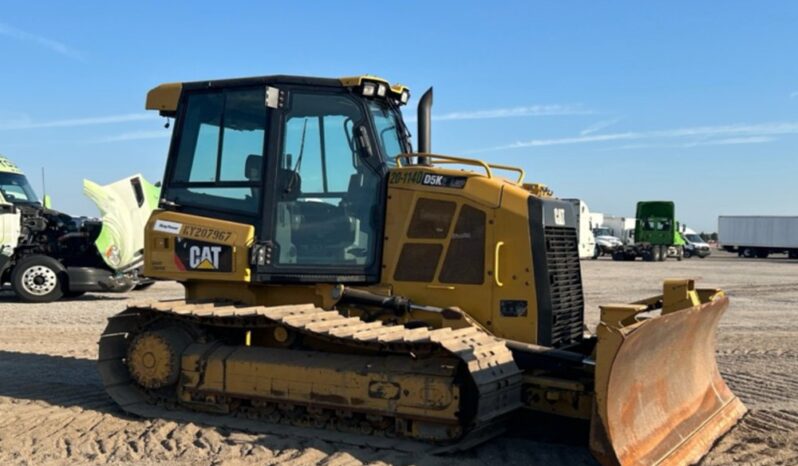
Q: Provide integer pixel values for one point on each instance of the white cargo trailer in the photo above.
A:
(758, 235)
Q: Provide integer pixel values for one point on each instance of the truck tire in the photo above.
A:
(663, 252)
(762, 253)
(38, 279)
(679, 253)
(793, 254)
(618, 255)
(649, 255)
(747, 252)
(596, 252)
(686, 254)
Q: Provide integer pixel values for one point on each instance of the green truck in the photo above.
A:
(656, 236)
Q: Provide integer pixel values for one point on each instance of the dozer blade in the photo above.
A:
(660, 399)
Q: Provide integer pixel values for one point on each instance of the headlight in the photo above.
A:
(404, 97)
(369, 89)
(113, 255)
(382, 89)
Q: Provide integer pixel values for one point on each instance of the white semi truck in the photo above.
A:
(759, 235)
(622, 228)
(587, 242)
(46, 254)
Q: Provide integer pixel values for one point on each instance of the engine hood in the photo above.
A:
(125, 206)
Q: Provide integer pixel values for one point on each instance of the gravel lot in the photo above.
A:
(53, 408)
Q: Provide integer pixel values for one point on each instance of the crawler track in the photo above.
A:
(494, 384)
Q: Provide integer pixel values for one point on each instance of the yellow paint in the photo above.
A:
(159, 250)
(164, 98)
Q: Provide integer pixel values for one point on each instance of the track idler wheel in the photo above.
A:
(153, 358)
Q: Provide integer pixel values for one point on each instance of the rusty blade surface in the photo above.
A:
(665, 401)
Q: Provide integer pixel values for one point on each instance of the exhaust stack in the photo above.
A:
(425, 126)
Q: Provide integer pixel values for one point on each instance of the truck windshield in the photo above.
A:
(693, 238)
(16, 189)
(391, 131)
(602, 232)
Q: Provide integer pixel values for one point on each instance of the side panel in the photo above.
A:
(515, 312)
(431, 226)
(421, 220)
(187, 247)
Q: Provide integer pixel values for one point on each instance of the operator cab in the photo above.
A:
(302, 159)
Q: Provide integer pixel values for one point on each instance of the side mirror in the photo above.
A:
(364, 140)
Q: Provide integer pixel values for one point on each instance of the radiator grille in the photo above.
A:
(565, 284)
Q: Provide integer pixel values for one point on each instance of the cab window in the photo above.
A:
(219, 160)
(327, 194)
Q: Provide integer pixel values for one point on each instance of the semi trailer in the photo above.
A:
(759, 235)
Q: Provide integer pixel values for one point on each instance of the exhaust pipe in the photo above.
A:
(425, 126)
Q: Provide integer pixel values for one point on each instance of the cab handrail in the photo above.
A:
(449, 159)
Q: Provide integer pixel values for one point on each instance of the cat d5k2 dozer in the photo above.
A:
(342, 286)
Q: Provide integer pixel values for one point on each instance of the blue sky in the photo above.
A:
(612, 103)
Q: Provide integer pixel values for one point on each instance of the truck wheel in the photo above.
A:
(38, 279)
(679, 253)
(748, 253)
(762, 253)
(663, 252)
(686, 253)
(649, 255)
(793, 254)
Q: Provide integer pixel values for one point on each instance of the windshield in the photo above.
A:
(693, 238)
(16, 189)
(602, 232)
(391, 131)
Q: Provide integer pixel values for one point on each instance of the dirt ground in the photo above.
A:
(53, 409)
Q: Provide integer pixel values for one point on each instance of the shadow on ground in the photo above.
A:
(73, 382)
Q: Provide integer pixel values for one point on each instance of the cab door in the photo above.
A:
(323, 217)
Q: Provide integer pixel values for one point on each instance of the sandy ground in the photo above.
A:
(53, 409)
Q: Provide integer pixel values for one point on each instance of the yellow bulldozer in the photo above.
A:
(339, 282)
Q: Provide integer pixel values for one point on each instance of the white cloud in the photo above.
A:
(736, 134)
(50, 44)
(135, 136)
(598, 126)
(510, 112)
(732, 141)
(711, 142)
(26, 123)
